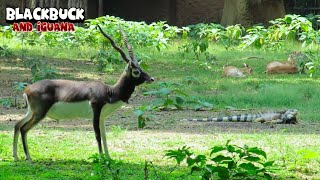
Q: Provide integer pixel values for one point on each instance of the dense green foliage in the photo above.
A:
(226, 162)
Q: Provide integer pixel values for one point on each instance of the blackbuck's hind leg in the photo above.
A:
(17, 127)
(96, 126)
(35, 119)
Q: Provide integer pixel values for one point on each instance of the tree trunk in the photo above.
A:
(100, 8)
(249, 12)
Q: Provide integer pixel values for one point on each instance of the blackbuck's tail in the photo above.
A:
(27, 101)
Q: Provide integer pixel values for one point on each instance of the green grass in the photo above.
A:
(63, 153)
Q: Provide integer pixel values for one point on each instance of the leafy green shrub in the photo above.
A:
(232, 35)
(169, 95)
(102, 166)
(105, 60)
(40, 69)
(226, 162)
(314, 19)
(142, 34)
(5, 51)
(255, 37)
(294, 24)
(146, 35)
(201, 30)
(144, 115)
(6, 32)
(310, 39)
(6, 102)
(197, 47)
(314, 65)
(197, 103)
(19, 86)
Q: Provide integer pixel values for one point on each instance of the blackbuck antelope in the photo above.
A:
(65, 99)
(235, 72)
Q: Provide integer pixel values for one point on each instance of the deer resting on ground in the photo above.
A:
(235, 72)
(65, 99)
(277, 67)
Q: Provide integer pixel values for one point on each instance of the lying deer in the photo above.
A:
(65, 99)
(277, 67)
(235, 72)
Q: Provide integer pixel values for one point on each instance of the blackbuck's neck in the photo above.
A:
(123, 89)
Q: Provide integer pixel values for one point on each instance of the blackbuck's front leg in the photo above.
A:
(96, 124)
(103, 136)
(106, 111)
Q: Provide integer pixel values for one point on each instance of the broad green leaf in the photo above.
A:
(179, 100)
(231, 148)
(248, 166)
(252, 159)
(257, 151)
(231, 165)
(195, 168)
(180, 92)
(221, 159)
(268, 163)
(223, 172)
(138, 112)
(164, 91)
(267, 176)
(141, 122)
(216, 149)
(150, 93)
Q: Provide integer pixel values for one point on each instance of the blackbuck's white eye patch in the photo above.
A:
(135, 73)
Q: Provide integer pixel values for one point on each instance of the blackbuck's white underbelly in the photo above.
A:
(79, 110)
